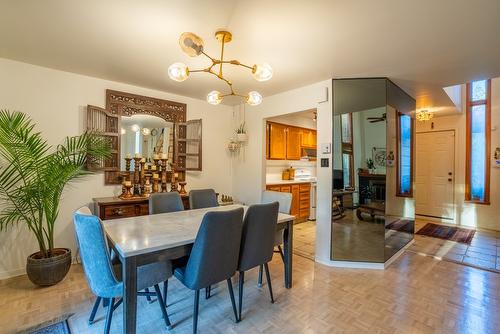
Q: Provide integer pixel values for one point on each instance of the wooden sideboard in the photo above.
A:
(114, 207)
(301, 197)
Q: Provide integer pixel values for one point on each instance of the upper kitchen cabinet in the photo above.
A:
(293, 143)
(308, 138)
(285, 142)
(276, 141)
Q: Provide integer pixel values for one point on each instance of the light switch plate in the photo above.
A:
(326, 148)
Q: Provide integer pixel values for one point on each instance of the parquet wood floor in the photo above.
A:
(416, 294)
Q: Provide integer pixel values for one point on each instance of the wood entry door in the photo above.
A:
(435, 174)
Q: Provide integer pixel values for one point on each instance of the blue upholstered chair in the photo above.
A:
(102, 275)
(165, 202)
(257, 243)
(214, 256)
(285, 205)
(202, 198)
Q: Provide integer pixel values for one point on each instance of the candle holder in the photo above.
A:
(164, 175)
(183, 189)
(147, 186)
(156, 180)
(128, 191)
(141, 176)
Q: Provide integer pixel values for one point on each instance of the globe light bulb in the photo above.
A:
(191, 44)
(178, 72)
(123, 131)
(146, 131)
(262, 72)
(135, 127)
(214, 97)
(254, 98)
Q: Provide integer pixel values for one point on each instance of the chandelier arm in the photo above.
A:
(237, 63)
(212, 59)
(221, 57)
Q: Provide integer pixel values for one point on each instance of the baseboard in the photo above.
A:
(351, 264)
(398, 254)
(12, 273)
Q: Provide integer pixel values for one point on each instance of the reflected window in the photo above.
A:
(405, 155)
(347, 150)
(478, 141)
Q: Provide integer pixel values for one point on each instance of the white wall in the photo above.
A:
(249, 166)
(468, 214)
(56, 101)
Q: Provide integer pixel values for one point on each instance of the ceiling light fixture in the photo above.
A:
(424, 115)
(192, 45)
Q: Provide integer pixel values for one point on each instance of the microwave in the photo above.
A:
(309, 153)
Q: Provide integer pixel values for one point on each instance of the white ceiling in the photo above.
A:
(421, 45)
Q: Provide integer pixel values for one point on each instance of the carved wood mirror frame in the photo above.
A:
(126, 104)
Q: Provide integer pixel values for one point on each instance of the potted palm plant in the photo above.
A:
(33, 175)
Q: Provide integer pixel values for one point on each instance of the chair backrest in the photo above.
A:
(95, 257)
(84, 210)
(257, 241)
(165, 202)
(202, 198)
(214, 256)
(284, 199)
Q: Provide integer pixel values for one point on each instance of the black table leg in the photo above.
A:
(288, 250)
(129, 275)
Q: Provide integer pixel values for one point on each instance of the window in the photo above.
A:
(477, 173)
(404, 155)
(347, 151)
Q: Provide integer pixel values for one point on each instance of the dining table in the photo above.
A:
(146, 239)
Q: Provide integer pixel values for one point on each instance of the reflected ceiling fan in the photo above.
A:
(377, 119)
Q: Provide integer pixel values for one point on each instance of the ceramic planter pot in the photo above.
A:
(48, 271)
(242, 137)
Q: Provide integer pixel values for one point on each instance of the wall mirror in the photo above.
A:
(136, 124)
(146, 135)
(371, 219)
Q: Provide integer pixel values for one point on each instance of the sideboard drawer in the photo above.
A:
(124, 211)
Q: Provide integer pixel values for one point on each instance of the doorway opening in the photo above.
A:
(290, 157)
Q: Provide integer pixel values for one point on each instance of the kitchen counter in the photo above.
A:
(280, 182)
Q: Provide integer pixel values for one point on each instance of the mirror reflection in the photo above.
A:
(146, 136)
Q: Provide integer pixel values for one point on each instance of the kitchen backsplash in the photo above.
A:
(275, 167)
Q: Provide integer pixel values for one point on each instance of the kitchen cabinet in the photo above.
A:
(293, 143)
(308, 138)
(276, 141)
(285, 142)
(301, 197)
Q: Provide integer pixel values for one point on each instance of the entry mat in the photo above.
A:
(462, 235)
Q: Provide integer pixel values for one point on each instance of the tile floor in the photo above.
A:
(483, 252)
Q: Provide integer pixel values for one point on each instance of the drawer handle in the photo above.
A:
(118, 211)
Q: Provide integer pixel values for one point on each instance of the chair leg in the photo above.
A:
(208, 291)
(165, 291)
(268, 277)
(259, 284)
(195, 313)
(109, 316)
(148, 297)
(240, 293)
(231, 294)
(94, 310)
(281, 253)
(163, 307)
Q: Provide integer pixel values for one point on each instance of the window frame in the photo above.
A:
(348, 148)
(468, 142)
(399, 193)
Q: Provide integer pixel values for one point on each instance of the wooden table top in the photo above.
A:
(144, 234)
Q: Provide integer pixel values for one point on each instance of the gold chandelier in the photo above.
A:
(192, 45)
(424, 115)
